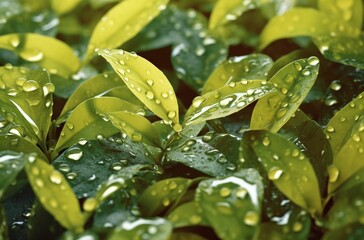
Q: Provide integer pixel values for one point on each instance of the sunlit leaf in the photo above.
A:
(54, 193)
(137, 127)
(11, 163)
(153, 229)
(342, 49)
(50, 53)
(235, 200)
(104, 84)
(349, 11)
(299, 22)
(162, 195)
(286, 166)
(294, 82)
(112, 31)
(187, 214)
(64, 6)
(147, 82)
(235, 69)
(26, 99)
(86, 123)
(226, 100)
(226, 11)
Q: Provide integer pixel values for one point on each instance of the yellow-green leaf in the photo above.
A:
(147, 82)
(288, 168)
(249, 67)
(50, 53)
(26, 99)
(54, 193)
(137, 127)
(294, 82)
(299, 22)
(350, 11)
(64, 6)
(86, 123)
(122, 23)
(346, 135)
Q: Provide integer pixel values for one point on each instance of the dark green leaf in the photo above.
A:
(11, 164)
(19, 144)
(286, 166)
(226, 100)
(235, 69)
(3, 224)
(235, 200)
(353, 231)
(294, 82)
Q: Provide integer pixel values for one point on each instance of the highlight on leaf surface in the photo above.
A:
(113, 30)
(52, 54)
(147, 82)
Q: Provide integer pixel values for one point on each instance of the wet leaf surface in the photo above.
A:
(11, 163)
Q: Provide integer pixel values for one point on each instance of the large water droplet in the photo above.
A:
(197, 101)
(149, 95)
(90, 204)
(251, 218)
(32, 55)
(275, 173)
(333, 172)
(56, 177)
(74, 153)
(30, 86)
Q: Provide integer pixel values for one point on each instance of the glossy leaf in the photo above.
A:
(348, 11)
(64, 6)
(235, 200)
(88, 164)
(299, 22)
(342, 49)
(26, 99)
(286, 166)
(226, 11)
(11, 163)
(137, 127)
(294, 82)
(153, 229)
(235, 69)
(104, 84)
(187, 214)
(112, 31)
(19, 144)
(162, 195)
(147, 82)
(50, 53)
(226, 100)
(54, 193)
(86, 123)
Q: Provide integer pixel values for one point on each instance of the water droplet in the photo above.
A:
(149, 95)
(56, 177)
(226, 101)
(53, 203)
(195, 219)
(39, 182)
(90, 204)
(200, 51)
(225, 192)
(266, 141)
(71, 175)
(288, 78)
(330, 129)
(117, 166)
(14, 41)
(197, 101)
(166, 202)
(171, 114)
(251, 218)
(150, 82)
(356, 137)
(48, 88)
(30, 86)
(333, 172)
(335, 85)
(172, 185)
(32, 55)
(297, 227)
(298, 66)
(136, 137)
(70, 126)
(284, 90)
(313, 61)
(64, 168)
(241, 193)
(74, 153)
(275, 173)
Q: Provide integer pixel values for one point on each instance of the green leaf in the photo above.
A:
(226, 11)
(54, 193)
(19, 144)
(104, 84)
(3, 224)
(286, 166)
(348, 11)
(235, 200)
(50, 53)
(345, 134)
(112, 31)
(64, 6)
(226, 100)
(342, 49)
(147, 82)
(294, 82)
(88, 164)
(299, 22)
(85, 122)
(162, 195)
(187, 214)
(347, 207)
(235, 69)
(11, 164)
(352, 231)
(137, 127)
(26, 99)
(153, 229)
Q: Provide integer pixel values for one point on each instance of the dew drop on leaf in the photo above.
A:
(251, 218)
(56, 177)
(197, 101)
(30, 86)
(333, 172)
(275, 173)
(74, 153)
(90, 204)
(225, 192)
(32, 55)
